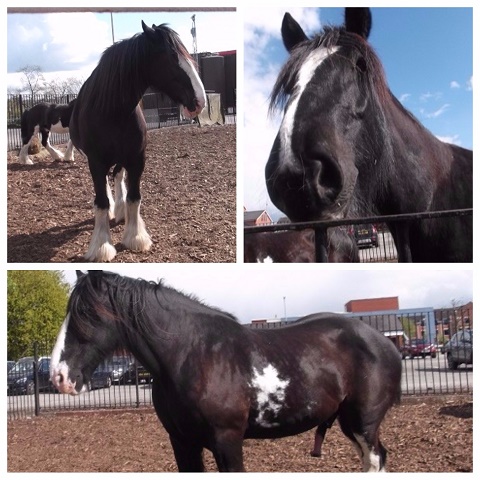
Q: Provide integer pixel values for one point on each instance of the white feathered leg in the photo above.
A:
(101, 248)
(120, 196)
(68, 157)
(56, 154)
(23, 155)
(135, 237)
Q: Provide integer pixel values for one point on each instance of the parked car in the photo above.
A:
(10, 365)
(20, 379)
(459, 349)
(102, 377)
(122, 371)
(143, 374)
(365, 235)
(418, 347)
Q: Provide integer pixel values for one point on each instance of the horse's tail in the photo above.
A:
(24, 126)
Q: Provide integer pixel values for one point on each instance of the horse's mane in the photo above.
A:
(121, 71)
(128, 301)
(329, 38)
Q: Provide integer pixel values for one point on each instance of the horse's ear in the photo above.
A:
(149, 32)
(359, 21)
(292, 33)
(80, 274)
(95, 276)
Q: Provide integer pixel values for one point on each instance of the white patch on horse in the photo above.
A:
(58, 128)
(305, 75)
(56, 154)
(270, 391)
(58, 369)
(120, 196)
(197, 85)
(68, 157)
(371, 460)
(267, 259)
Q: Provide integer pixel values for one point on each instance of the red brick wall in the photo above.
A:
(372, 304)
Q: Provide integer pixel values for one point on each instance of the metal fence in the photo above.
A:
(421, 335)
(158, 109)
(384, 251)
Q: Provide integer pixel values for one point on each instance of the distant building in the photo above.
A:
(256, 218)
(372, 304)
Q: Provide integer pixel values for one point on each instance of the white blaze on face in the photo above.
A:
(270, 391)
(58, 369)
(197, 85)
(305, 75)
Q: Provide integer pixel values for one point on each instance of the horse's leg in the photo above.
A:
(100, 248)
(364, 436)
(23, 155)
(27, 138)
(228, 450)
(135, 237)
(68, 157)
(320, 436)
(120, 193)
(56, 154)
(187, 455)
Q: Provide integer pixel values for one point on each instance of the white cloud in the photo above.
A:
(437, 113)
(470, 84)
(454, 139)
(404, 97)
(454, 84)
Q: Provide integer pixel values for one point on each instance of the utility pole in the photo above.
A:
(193, 31)
(285, 308)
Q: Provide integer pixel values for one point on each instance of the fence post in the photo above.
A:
(35, 379)
(321, 245)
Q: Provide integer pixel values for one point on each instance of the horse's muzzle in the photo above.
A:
(59, 376)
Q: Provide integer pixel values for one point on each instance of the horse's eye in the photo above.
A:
(361, 65)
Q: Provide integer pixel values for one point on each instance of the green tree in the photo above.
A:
(36, 306)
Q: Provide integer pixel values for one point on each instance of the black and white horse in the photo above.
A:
(46, 118)
(216, 382)
(348, 148)
(108, 126)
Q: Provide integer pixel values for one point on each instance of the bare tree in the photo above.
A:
(33, 80)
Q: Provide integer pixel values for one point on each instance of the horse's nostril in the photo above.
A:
(60, 378)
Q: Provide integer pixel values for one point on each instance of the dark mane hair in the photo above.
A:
(121, 69)
(329, 38)
(126, 300)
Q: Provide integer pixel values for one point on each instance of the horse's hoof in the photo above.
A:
(315, 454)
(106, 253)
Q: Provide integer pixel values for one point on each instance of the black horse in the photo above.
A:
(298, 247)
(108, 126)
(347, 147)
(216, 382)
(45, 118)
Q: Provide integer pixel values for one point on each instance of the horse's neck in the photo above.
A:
(412, 163)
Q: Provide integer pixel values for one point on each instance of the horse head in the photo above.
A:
(173, 71)
(326, 90)
(87, 335)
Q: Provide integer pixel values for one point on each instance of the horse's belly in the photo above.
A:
(58, 128)
(280, 429)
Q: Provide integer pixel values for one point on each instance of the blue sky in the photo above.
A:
(427, 54)
(70, 44)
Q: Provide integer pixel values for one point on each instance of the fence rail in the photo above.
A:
(158, 109)
(386, 250)
(30, 392)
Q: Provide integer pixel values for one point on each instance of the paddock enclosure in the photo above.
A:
(188, 201)
(422, 434)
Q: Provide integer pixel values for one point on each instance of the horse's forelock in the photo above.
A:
(329, 38)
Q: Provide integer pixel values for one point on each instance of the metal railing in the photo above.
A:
(386, 249)
(428, 372)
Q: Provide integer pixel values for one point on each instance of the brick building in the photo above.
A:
(372, 304)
